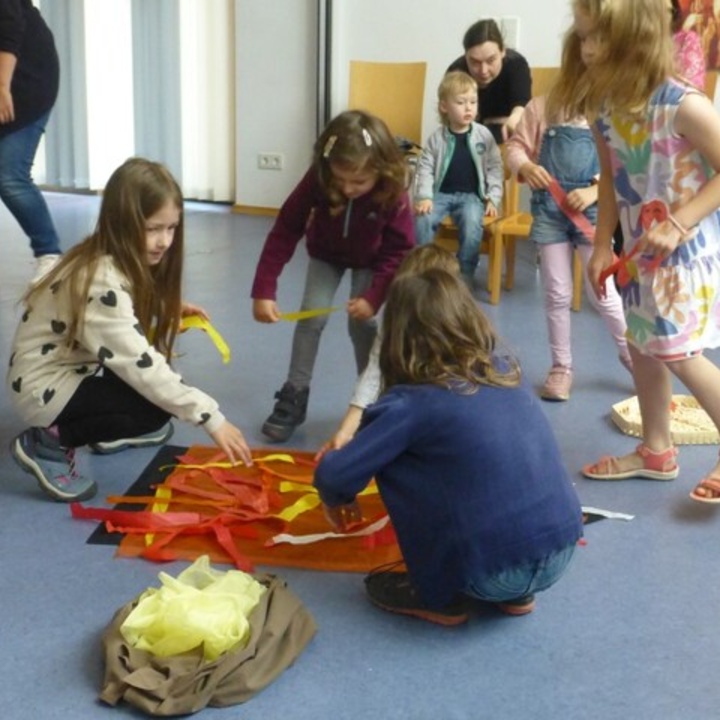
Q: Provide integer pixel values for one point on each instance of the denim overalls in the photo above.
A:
(569, 155)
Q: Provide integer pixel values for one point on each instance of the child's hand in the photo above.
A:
(423, 207)
(231, 441)
(490, 210)
(338, 440)
(344, 434)
(601, 258)
(189, 308)
(360, 309)
(582, 198)
(342, 517)
(536, 176)
(266, 311)
(660, 240)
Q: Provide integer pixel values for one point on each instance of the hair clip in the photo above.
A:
(329, 145)
(367, 137)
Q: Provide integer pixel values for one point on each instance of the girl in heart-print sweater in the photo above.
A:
(82, 370)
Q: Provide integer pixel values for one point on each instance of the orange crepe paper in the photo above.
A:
(236, 511)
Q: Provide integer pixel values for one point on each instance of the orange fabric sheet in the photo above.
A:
(234, 509)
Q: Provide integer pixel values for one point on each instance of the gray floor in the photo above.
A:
(631, 632)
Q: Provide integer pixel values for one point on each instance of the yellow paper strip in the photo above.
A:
(305, 503)
(277, 457)
(305, 314)
(164, 494)
(195, 321)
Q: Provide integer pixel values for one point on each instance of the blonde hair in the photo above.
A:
(136, 191)
(434, 333)
(453, 83)
(357, 141)
(636, 53)
(568, 93)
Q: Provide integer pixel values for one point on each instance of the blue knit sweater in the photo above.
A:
(473, 483)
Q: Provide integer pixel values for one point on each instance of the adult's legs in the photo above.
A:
(19, 192)
(321, 284)
(105, 408)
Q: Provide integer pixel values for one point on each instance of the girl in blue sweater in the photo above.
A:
(465, 461)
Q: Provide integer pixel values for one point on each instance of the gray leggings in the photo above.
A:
(321, 284)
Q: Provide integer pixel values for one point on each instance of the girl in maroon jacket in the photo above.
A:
(353, 210)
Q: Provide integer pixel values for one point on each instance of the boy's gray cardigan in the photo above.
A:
(435, 158)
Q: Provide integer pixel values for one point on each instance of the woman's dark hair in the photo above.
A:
(481, 32)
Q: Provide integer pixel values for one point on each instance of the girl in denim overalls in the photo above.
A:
(539, 151)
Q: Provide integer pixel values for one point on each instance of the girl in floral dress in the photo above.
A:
(659, 145)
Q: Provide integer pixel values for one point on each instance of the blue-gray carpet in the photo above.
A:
(630, 632)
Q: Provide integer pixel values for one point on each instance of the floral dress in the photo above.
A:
(672, 307)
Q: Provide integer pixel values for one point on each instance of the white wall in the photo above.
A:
(276, 66)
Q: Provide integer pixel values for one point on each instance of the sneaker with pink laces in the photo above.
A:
(557, 384)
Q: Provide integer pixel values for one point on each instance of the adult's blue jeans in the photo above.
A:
(20, 193)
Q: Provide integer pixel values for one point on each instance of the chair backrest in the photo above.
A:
(393, 92)
(542, 79)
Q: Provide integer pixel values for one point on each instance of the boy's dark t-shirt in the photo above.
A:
(461, 175)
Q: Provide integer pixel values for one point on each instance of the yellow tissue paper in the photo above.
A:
(201, 606)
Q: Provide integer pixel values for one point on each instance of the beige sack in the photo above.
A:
(280, 626)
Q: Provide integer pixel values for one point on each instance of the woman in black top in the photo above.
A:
(29, 79)
(502, 75)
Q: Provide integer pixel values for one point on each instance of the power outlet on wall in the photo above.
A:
(270, 161)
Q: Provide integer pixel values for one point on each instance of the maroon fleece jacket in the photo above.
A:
(360, 235)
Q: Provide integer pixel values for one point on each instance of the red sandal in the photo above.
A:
(656, 466)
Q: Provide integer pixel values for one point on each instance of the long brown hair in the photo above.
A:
(136, 191)
(356, 140)
(434, 333)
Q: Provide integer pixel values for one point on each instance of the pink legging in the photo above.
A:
(556, 262)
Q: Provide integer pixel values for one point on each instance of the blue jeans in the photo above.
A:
(527, 579)
(468, 213)
(321, 284)
(19, 192)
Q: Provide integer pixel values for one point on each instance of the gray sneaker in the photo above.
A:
(156, 437)
(39, 453)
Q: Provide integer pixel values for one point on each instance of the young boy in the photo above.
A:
(460, 172)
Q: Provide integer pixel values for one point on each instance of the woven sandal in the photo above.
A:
(656, 466)
(711, 484)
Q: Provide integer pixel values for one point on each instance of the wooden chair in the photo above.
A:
(393, 91)
(491, 245)
(515, 223)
